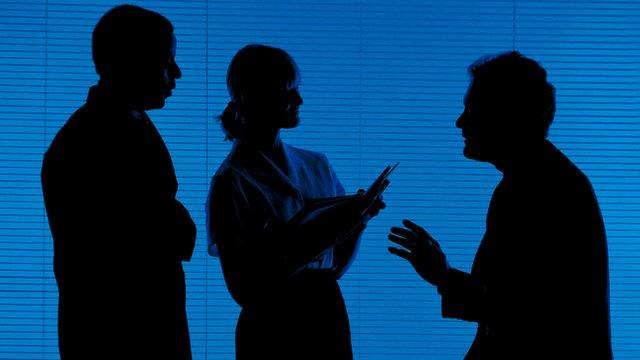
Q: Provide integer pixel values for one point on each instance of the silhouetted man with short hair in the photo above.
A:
(119, 233)
(538, 287)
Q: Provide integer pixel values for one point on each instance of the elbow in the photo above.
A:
(238, 288)
(251, 284)
(253, 293)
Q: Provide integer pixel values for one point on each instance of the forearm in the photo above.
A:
(345, 253)
(160, 225)
(175, 224)
(255, 266)
(302, 240)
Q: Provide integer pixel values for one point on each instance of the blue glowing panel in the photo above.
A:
(382, 82)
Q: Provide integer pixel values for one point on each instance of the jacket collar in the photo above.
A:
(99, 98)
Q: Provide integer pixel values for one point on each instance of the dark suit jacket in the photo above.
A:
(539, 283)
(120, 236)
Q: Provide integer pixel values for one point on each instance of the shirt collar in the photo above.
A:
(99, 98)
(263, 169)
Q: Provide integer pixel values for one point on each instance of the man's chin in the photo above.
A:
(478, 154)
(472, 153)
(291, 123)
(155, 103)
(467, 153)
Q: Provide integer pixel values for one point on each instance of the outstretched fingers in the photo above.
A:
(404, 242)
(405, 233)
(420, 231)
(401, 253)
(415, 228)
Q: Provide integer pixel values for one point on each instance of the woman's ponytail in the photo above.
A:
(231, 120)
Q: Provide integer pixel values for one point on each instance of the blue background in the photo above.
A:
(383, 81)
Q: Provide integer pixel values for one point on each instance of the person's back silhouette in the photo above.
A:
(109, 186)
(539, 283)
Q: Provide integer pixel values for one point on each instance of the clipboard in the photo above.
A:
(376, 189)
(379, 185)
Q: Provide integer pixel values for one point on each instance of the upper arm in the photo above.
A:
(224, 213)
(247, 254)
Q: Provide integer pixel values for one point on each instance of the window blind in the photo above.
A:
(382, 82)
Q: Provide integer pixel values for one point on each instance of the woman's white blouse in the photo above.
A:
(273, 196)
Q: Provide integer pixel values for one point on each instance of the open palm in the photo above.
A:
(421, 250)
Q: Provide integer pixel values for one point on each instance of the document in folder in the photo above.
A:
(314, 207)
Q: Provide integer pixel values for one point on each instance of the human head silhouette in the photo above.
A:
(263, 85)
(509, 107)
(134, 55)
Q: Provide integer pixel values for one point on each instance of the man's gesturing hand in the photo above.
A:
(421, 250)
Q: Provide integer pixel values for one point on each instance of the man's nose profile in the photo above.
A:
(120, 234)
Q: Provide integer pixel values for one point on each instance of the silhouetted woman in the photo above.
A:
(280, 261)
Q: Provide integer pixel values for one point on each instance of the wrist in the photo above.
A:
(443, 282)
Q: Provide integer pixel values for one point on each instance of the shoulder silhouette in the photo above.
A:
(538, 287)
(278, 247)
(120, 235)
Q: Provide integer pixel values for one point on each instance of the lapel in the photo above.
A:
(485, 255)
(134, 132)
(160, 152)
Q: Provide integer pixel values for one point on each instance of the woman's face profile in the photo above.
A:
(264, 86)
(290, 105)
(273, 104)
